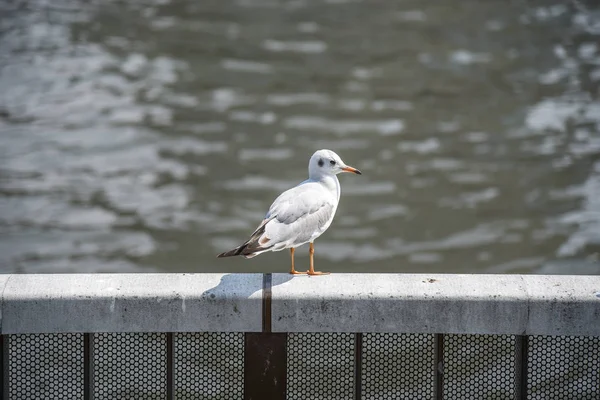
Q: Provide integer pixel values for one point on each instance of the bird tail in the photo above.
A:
(244, 251)
(235, 252)
(253, 246)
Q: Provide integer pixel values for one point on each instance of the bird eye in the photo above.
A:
(332, 162)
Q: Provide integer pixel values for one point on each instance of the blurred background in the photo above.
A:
(144, 136)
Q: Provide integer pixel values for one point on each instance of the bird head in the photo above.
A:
(326, 162)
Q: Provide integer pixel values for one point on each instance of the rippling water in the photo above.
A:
(144, 136)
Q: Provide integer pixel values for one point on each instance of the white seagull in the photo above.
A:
(301, 214)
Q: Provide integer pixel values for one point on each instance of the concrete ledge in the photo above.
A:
(443, 303)
(418, 303)
(3, 280)
(563, 305)
(132, 303)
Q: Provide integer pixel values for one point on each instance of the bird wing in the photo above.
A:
(298, 214)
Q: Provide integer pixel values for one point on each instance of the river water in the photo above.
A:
(152, 135)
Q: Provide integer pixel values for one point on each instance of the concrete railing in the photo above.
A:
(263, 336)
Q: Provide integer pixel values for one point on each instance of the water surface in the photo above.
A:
(152, 135)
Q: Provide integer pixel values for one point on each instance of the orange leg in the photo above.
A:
(293, 271)
(312, 271)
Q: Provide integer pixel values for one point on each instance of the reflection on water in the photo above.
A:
(152, 135)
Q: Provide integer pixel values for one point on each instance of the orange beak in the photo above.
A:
(353, 170)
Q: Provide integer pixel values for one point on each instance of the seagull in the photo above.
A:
(301, 214)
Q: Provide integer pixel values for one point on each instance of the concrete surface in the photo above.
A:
(563, 305)
(420, 303)
(3, 279)
(132, 303)
(438, 303)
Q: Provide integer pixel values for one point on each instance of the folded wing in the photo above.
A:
(294, 218)
(297, 215)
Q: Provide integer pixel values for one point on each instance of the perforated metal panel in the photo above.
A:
(130, 366)
(479, 367)
(45, 366)
(320, 366)
(397, 366)
(209, 366)
(564, 367)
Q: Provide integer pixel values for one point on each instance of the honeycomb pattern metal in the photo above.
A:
(45, 366)
(320, 366)
(563, 367)
(479, 367)
(397, 366)
(130, 366)
(208, 366)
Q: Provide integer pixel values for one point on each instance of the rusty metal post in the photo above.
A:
(265, 366)
(265, 357)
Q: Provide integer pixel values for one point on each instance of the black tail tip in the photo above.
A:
(229, 253)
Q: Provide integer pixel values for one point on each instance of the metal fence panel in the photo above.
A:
(130, 366)
(479, 367)
(563, 367)
(320, 366)
(45, 366)
(397, 366)
(208, 366)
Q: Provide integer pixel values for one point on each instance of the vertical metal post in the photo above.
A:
(266, 302)
(521, 359)
(88, 366)
(4, 393)
(358, 348)
(265, 356)
(265, 366)
(170, 380)
(438, 365)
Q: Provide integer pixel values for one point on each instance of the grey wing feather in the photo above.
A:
(298, 214)
(295, 203)
(306, 226)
